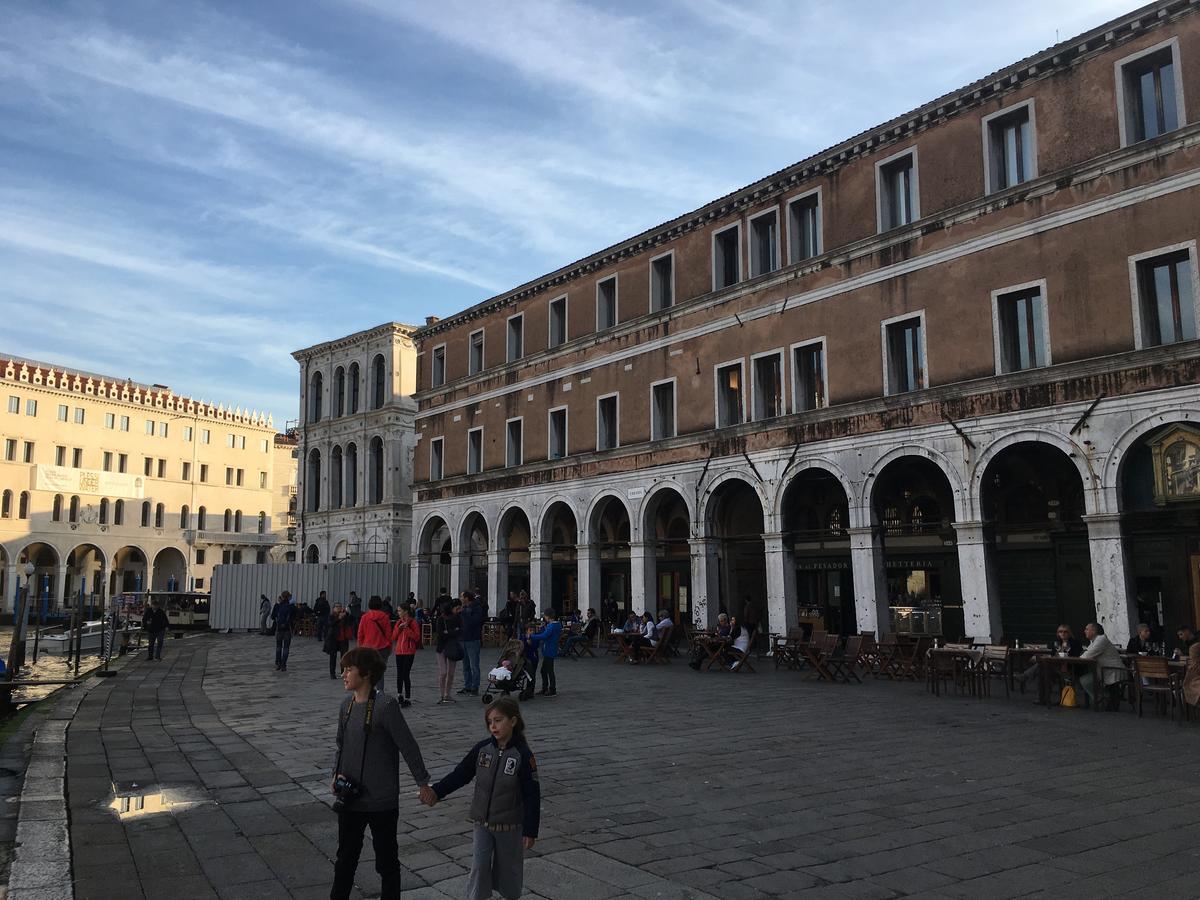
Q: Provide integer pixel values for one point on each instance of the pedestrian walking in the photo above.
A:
(337, 636)
(507, 805)
(406, 638)
(375, 629)
(471, 616)
(283, 614)
(321, 611)
(264, 614)
(372, 736)
(547, 640)
(154, 620)
(447, 627)
(355, 608)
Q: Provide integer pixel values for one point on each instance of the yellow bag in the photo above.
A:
(1067, 696)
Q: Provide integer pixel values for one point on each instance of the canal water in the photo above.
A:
(49, 667)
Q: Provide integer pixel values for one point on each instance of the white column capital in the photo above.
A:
(1104, 526)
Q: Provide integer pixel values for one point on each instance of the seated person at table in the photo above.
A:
(633, 624)
(1064, 640)
(1140, 642)
(1185, 638)
(1108, 659)
(706, 641)
(1191, 679)
(743, 635)
(590, 627)
(647, 637)
(664, 621)
(722, 625)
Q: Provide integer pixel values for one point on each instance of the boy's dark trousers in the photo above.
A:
(351, 826)
(283, 646)
(548, 683)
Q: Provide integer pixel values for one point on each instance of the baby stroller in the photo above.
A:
(518, 680)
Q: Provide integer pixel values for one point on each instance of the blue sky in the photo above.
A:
(192, 190)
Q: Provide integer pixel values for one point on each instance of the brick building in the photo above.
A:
(939, 378)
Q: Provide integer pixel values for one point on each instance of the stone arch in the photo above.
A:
(596, 507)
(130, 564)
(650, 504)
(312, 554)
(803, 465)
(1110, 473)
(953, 475)
(1073, 452)
(714, 483)
(430, 526)
(87, 566)
(170, 568)
(550, 513)
(506, 520)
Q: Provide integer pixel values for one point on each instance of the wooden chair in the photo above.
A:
(993, 664)
(740, 659)
(815, 655)
(783, 649)
(1153, 677)
(660, 652)
(842, 665)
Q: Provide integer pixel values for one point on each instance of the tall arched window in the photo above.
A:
(335, 478)
(103, 510)
(6, 505)
(355, 381)
(316, 387)
(201, 519)
(228, 520)
(185, 517)
(237, 522)
(23, 506)
(146, 514)
(339, 392)
(262, 523)
(350, 476)
(313, 555)
(159, 512)
(119, 513)
(375, 467)
(56, 510)
(73, 515)
(312, 482)
(378, 382)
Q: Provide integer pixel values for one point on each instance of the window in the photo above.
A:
(808, 370)
(185, 473)
(200, 581)
(77, 458)
(339, 392)
(316, 388)
(6, 504)
(229, 475)
(107, 461)
(262, 480)
(56, 509)
(1009, 148)
(159, 512)
(439, 366)
(1165, 296)
(378, 382)
(124, 423)
(227, 522)
(353, 378)
(764, 243)
(14, 404)
(104, 511)
(23, 506)
(727, 257)
(185, 518)
(64, 411)
(122, 463)
(237, 557)
(731, 408)
(147, 466)
(205, 436)
(162, 468)
(1149, 95)
(1020, 328)
(31, 407)
(60, 456)
(119, 512)
(199, 558)
(226, 557)
(516, 337)
(230, 441)
(260, 556)
(436, 458)
(79, 415)
(607, 431)
(557, 434)
(10, 449)
(513, 444)
(150, 426)
(201, 524)
(474, 451)
(662, 410)
(606, 303)
(475, 353)
(262, 523)
(767, 389)
(264, 445)
(237, 522)
(73, 510)
(28, 452)
(662, 282)
(904, 354)
(241, 477)
(162, 429)
(188, 433)
(804, 226)
(110, 420)
(896, 191)
(558, 321)
(204, 472)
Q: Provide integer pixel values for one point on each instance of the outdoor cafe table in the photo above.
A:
(626, 651)
(711, 644)
(1078, 665)
(1019, 659)
(964, 660)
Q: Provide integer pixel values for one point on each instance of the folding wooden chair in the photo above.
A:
(993, 664)
(841, 664)
(815, 655)
(740, 659)
(1154, 678)
(660, 652)
(784, 649)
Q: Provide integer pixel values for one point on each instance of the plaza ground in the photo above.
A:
(659, 782)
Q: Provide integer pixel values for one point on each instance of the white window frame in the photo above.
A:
(550, 431)
(470, 431)
(566, 307)
(653, 260)
(482, 351)
(997, 347)
(433, 364)
(787, 206)
(910, 150)
(774, 210)
(883, 339)
(986, 124)
(617, 423)
(740, 362)
(441, 442)
(1119, 74)
(674, 382)
(783, 399)
(508, 357)
(508, 463)
(616, 301)
(800, 345)
(712, 255)
(1135, 287)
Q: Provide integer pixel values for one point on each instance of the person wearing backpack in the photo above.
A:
(338, 636)
(154, 620)
(284, 616)
(375, 628)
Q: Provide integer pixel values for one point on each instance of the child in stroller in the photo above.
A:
(510, 674)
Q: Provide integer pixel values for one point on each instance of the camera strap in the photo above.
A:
(370, 713)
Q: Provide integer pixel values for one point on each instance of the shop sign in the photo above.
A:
(66, 480)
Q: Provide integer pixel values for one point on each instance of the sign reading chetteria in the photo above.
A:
(63, 480)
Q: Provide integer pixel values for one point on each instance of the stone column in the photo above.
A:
(642, 594)
(497, 569)
(1110, 581)
(781, 584)
(148, 582)
(419, 578)
(60, 586)
(706, 594)
(10, 590)
(587, 574)
(540, 584)
(459, 565)
(870, 583)
(976, 572)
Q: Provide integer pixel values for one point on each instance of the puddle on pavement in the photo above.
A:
(131, 800)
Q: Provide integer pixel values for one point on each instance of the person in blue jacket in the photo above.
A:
(471, 616)
(547, 640)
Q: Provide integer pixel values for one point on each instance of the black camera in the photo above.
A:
(345, 790)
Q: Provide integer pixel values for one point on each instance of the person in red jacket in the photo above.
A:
(406, 636)
(375, 628)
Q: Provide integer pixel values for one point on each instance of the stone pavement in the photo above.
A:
(659, 782)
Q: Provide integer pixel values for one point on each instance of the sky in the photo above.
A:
(190, 191)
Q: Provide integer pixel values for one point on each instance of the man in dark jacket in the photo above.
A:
(321, 610)
(471, 617)
(284, 617)
(154, 620)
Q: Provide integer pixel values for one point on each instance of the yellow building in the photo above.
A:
(121, 486)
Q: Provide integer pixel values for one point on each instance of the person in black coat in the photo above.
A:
(447, 628)
(321, 610)
(154, 620)
(1141, 641)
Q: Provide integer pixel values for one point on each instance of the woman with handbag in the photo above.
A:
(448, 627)
(337, 636)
